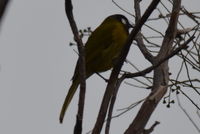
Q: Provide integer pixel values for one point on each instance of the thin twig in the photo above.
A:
(189, 99)
(124, 110)
(113, 78)
(149, 69)
(161, 76)
(190, 119)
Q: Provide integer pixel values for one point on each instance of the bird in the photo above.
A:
(101, 51)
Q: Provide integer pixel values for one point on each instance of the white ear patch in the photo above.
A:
(123, 21)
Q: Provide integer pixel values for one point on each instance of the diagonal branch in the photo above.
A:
(113, 99)
(114, 75)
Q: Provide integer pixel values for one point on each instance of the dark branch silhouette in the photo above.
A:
(3, 6)
(79, 117)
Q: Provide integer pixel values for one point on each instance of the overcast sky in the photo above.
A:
(37, 63)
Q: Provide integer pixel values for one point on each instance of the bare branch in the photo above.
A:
(113, 78)
(113, 99)
(189, 99)
(161, 76)
(128, 108)
(69, 13)
(170, 33)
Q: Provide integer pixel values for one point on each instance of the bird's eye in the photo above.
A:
(123, 21)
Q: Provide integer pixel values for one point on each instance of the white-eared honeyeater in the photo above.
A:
(101, 50)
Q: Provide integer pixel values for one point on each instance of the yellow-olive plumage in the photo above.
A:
(101, 50)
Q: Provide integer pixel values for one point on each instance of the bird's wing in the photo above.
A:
(99, 40)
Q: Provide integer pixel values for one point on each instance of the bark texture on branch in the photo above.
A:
(161, 76)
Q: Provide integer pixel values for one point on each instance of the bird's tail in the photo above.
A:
(68, 98)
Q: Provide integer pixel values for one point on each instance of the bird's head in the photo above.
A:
(123, 20)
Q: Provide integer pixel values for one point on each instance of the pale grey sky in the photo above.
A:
(37, 64)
